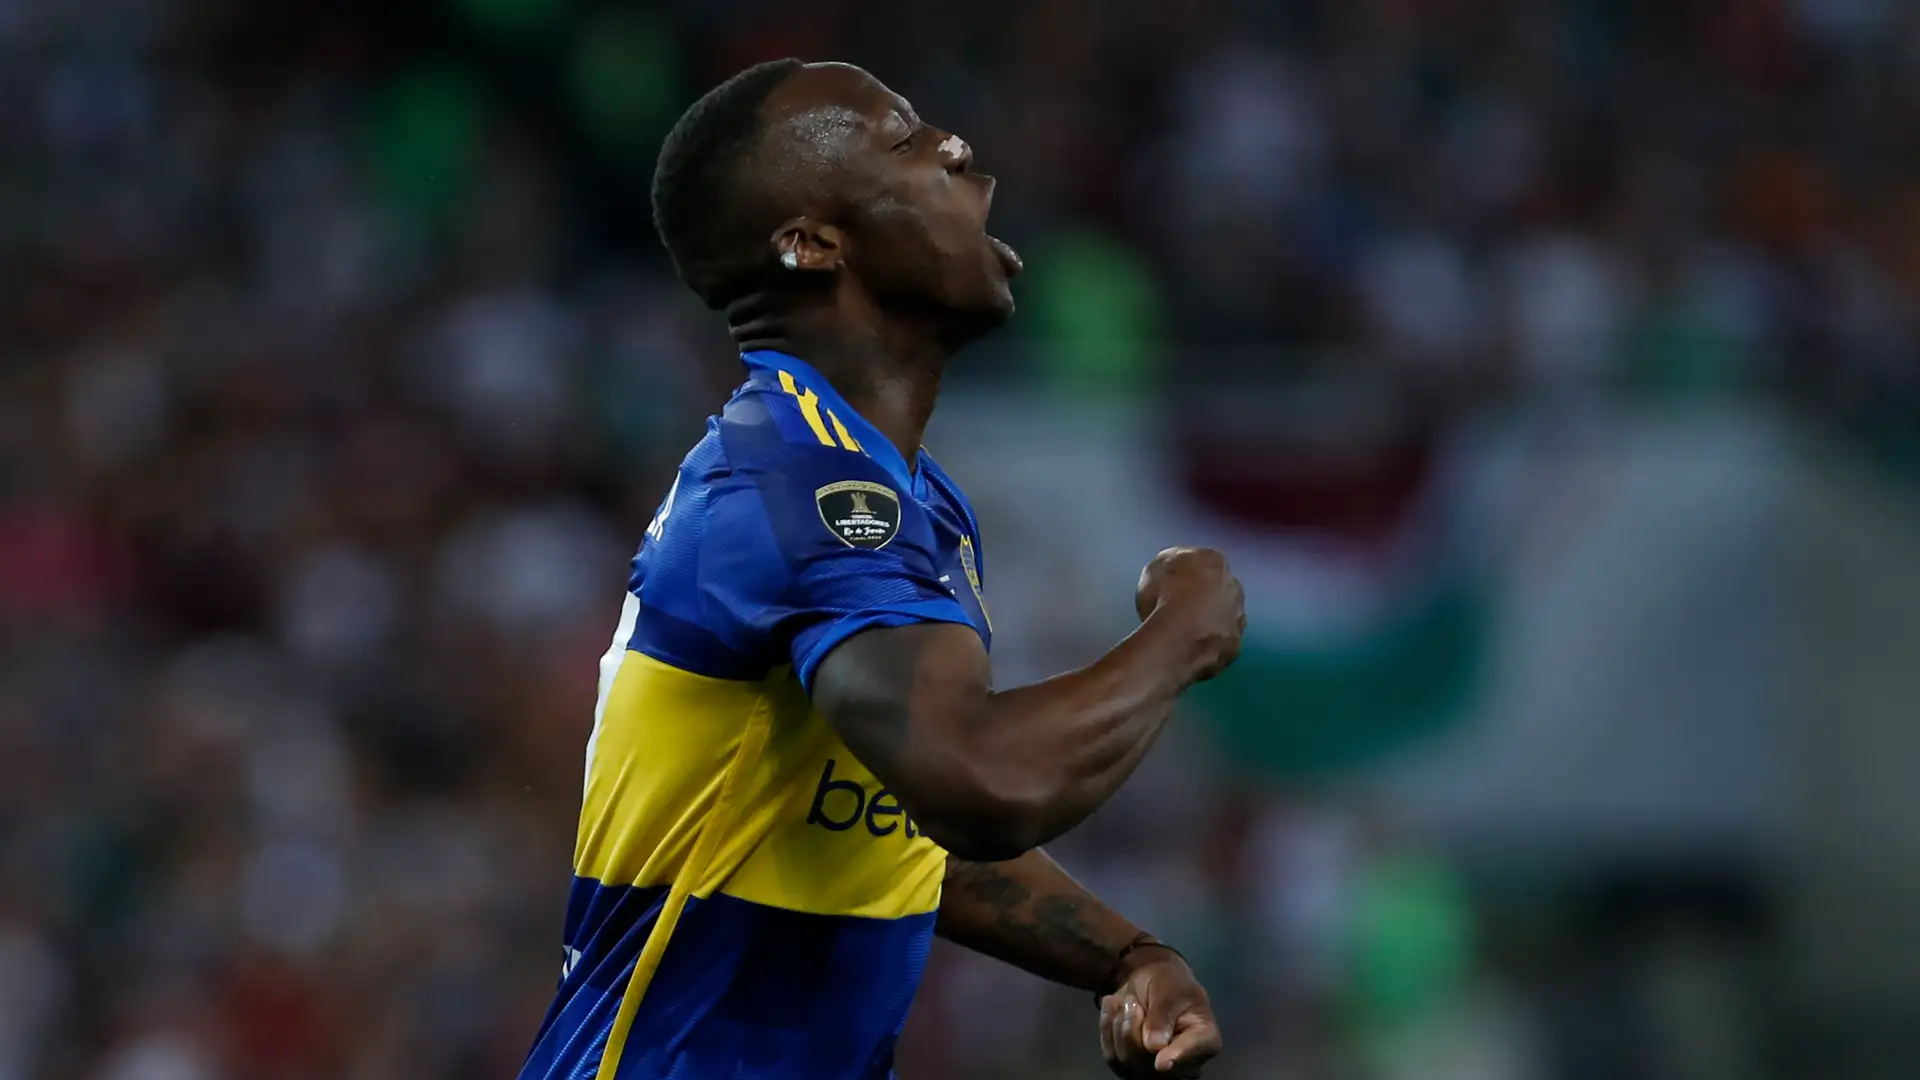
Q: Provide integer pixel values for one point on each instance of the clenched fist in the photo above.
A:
(1195, 587)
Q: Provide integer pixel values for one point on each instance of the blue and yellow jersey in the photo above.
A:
(747, 900)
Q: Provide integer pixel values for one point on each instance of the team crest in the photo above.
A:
(972, 567)
(860, 514)
(968, 564)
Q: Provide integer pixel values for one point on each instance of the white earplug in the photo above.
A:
(790, 260)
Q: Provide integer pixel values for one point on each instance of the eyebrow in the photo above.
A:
(896, 123)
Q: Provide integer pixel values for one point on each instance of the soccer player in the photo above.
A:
(800, 770)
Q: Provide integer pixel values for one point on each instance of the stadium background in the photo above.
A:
(1549, 369)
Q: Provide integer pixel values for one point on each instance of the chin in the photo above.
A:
(970, 322)
(997, 301)
(997, 306)
(994, 288)
(1003, 306)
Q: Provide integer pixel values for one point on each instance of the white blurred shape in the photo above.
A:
(34, 983)
(1481, 1035)
(1418, 289)
(219, 687)
(503, 363)
(1566, 302)
(160, 1056)
(117, 405)
(531, 569)
(338, 604)
(291, 896)
(1304, 860)
(1727, 287)
(1252, 140)
(298, 776)
(317, 249)
(1844, 22)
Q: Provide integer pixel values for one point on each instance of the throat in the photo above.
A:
(894, 391)
(896, 403)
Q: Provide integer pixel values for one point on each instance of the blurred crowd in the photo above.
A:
(339, 374)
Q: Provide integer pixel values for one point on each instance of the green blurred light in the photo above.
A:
(1411, 946)
(424, 138)
(1091, 302)
(1675, 350)
(624, 81)
(511, 21)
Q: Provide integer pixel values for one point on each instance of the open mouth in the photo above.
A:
(1009, 258)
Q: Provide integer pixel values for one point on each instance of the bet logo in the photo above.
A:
(839, 805)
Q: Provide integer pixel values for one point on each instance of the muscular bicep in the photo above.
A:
(907, 701)
(892, 693)
(990, 774)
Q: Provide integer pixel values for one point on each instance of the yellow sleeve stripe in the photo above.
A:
(810, 408)
(846, 438)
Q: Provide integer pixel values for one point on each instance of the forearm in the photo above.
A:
(1029, 913)
(1062, 747)
(990, 775)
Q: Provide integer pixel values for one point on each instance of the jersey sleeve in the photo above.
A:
(806, 546)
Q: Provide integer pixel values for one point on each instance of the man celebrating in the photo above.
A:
(799, 770)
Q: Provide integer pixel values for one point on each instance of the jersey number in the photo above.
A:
(811, 410)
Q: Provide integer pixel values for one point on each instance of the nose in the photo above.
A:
(957, 155)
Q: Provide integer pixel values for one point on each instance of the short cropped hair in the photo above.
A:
(699, 183)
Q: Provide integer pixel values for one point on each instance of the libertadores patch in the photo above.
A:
(861, 514)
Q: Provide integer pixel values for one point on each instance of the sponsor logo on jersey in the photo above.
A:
(840, 805)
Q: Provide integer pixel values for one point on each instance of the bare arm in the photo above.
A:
(1155, 1019)
(989, 774)
(1031, 914)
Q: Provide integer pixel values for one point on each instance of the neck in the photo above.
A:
(886, 369)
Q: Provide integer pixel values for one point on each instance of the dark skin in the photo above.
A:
(1155, 1019)
(879, 268)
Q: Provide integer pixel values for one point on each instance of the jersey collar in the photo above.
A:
(877, 446)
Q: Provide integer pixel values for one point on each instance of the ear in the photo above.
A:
(815, 246)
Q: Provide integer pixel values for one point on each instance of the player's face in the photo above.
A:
(906, 194)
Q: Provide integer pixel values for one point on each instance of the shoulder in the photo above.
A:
(944, 487)
(775, 412)
(785, 442)
(783, 485)
(942, 481)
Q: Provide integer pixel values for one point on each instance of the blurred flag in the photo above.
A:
(1365, 626)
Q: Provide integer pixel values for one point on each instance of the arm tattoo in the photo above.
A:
(1050, 934)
